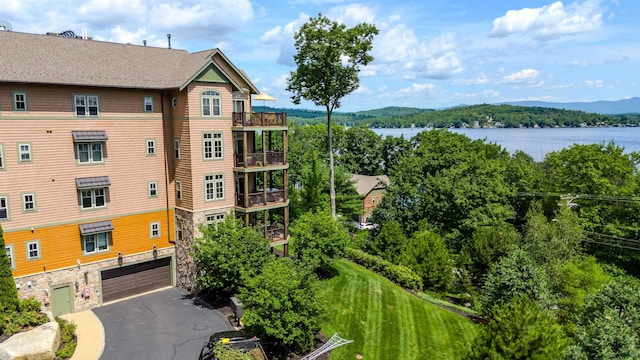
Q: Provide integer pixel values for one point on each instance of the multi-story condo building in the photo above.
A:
(112, 156)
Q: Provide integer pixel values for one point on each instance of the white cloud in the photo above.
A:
(550, 21)
(415, 88)
(481, 96)
(352, 14)
(481, 79)
(524, 77)
(273, 36)
(594, 83)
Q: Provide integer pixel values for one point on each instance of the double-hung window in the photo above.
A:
(10, 255)
(90, 152)
(93, 192)
(20, 101)
(176, 148)
(95, 243)
(211, 103)
(29, 202)
(33, 250)
(24, 153)
(153, 189)
(154, 230)
(1, 156)
(151, 147)
(214, 187)
(86, 105)
(148, 103)
(178, 190)
(212, 146)
(4, 208)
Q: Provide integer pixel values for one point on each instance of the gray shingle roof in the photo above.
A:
(364, 183)
(93, 182)
(94, 135)
(96, 227)
(44, 59)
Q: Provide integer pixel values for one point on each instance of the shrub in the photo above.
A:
(68, 339)
(227, 353)
(28, 315)
(399, 274)
(30, 304)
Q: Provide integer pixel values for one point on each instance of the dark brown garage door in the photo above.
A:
(135, 279)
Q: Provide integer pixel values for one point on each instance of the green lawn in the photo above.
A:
(385, 322)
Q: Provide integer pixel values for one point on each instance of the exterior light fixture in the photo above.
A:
(155, 252)
(120, 261)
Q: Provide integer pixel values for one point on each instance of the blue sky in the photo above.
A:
(429, 54)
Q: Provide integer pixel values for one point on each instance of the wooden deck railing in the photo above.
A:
(261, 119)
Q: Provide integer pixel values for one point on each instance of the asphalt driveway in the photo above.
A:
(168, 324)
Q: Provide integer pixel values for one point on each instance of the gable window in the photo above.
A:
(212, 146)
(93, 192)
(20, 101)
(4, 208)
(24, 153)
(33, 250)
(95, 243)
(154, 229)
(148, 103)
(153, 189)
(29, 202)
(210, 103)
(178, 190)
(151, 147)
(214, 187)
(86, 105)
(95, 236)
(1, 156)
(89, 152)
(176, 148)
(9, 250)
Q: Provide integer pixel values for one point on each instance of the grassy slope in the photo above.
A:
(386, 322)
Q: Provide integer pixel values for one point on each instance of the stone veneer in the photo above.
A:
(188, 222)
(41, 283)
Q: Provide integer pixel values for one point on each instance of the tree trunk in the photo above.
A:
(332, 187)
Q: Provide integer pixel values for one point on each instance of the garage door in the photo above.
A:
(135, 279)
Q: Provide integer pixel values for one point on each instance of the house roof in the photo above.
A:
(364, 183)
(45, 59)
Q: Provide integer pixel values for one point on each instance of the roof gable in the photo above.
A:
(364, 184)
(211, 75)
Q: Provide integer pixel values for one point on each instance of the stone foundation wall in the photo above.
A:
(39, 285)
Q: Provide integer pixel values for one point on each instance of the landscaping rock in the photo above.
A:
(38, 344)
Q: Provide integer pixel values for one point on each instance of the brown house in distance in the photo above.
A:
(112, 156)
(371, 189)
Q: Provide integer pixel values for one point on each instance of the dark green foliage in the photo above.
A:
(519, 329)
(282, 305)
(361, 151)
(389, 242)
(427, 255)
(318, 239)
(68, 340)
(26, 315)
(228, 254)
(487, 245)
(8, 290)
(399, 274)
(513, 275)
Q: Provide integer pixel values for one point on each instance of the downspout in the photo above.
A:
(167, 143)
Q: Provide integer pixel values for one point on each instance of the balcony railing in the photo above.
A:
(261, 159)
(275, 233)
(271, 196)
(261, 119)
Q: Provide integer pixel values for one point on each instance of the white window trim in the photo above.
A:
(214, 218)
(156, 225)
(90, 155)
(38, 249)
(11, 254)
(147, 100)
(152, 186)
(176, 148)
(6, 207)
(29, 152)
(151, 148)
(178, 190)
(24, 202)
(215, 182)
(211, 95)
(93, 198)
(15, 101)
(96, 246)
(86, 106)
(2, 158)
(216, 141)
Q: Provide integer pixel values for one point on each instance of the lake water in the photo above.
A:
(539, 142)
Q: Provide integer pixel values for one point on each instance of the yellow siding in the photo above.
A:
(61, 245)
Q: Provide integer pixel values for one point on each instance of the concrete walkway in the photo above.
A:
(90, 335)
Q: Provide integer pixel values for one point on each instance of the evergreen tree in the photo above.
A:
(8, 292)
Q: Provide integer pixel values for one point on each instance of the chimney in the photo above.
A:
(169, 37)
(144, 42)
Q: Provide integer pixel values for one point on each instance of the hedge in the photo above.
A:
(399, 274)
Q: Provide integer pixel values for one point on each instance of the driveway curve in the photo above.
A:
(167, 324)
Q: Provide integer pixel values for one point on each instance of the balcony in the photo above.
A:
(260, 159)
(261, 119)
(276, 233)
(262, 198)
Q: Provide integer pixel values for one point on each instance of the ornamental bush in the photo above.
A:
(399, 274)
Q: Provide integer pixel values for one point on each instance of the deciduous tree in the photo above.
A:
(328, 60)
(318, 239)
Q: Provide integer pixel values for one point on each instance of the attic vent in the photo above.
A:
(68, 34)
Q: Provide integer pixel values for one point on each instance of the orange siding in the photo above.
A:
(61, 245)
